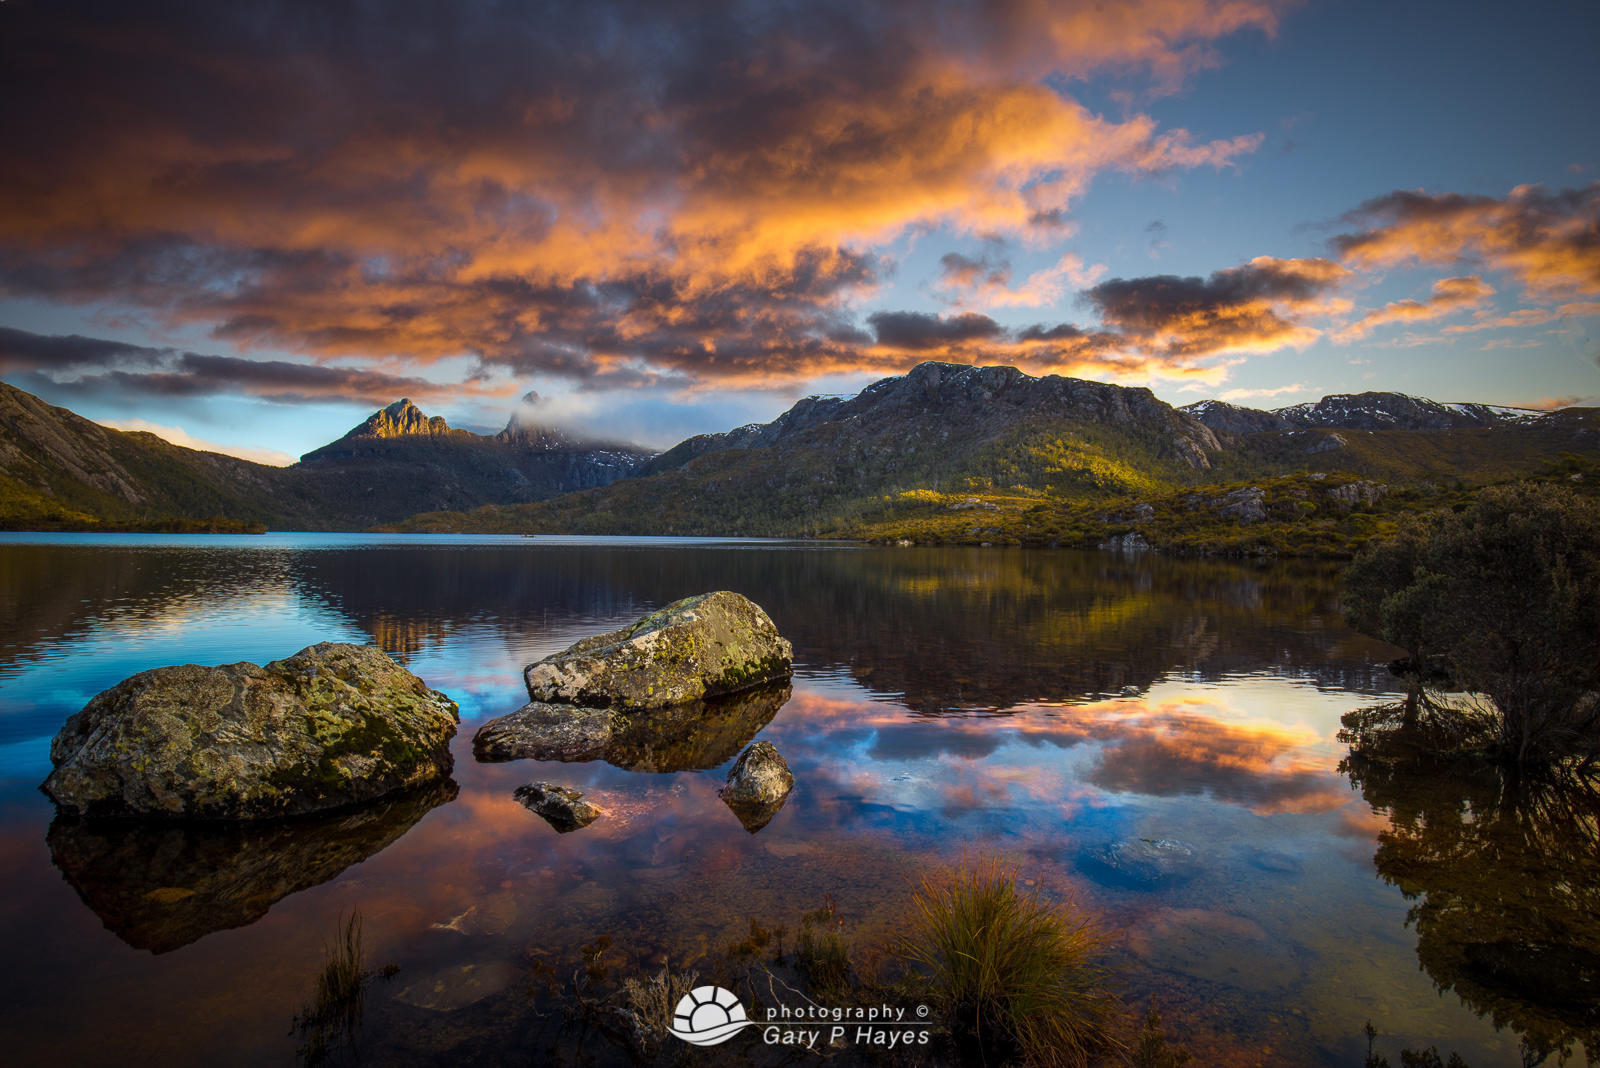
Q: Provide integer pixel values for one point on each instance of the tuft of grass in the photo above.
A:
(1015, 976)
(334, 1015)
(821, 952)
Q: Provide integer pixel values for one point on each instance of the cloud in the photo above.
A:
(1259, 306)
(1549, 241)
(176, 435)
(610, 192)
(1449, 295)
(1232, 395)
(95, 366)
(919, 331)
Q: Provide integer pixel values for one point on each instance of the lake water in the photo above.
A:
(1061, 711)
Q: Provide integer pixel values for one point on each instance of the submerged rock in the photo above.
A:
(758, 785)
(457, 987)
(332, 726)
(1141, 863)
(693, 649)
(686, 737)
(160, 886)
(562, 808)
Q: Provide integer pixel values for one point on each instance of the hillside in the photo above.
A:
(956, 454)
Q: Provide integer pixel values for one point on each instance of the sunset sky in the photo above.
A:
(248, 225)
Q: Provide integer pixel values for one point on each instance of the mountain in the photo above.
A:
(940, 427)
(59, 469)
(1358, 411)
(949, 452)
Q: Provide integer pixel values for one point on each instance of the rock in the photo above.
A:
(970, 503)
(686, 737)
(696, 648)
(455, 988)
(159, 886)
(1326, 443)
(1248, 505)
(1354, 493)
(757, 786)
(562, 808)
(1131, 542)
(1143, 512)
(1141, 863)
(332, 726)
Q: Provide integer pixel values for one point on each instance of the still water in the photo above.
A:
(1060, 711)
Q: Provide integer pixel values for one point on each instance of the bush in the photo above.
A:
(1508, 590)
(1014, 975)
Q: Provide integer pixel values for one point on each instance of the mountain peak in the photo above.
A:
(401, 419)
(524, 429)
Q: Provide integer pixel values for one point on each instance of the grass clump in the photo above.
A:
(1015, 976)
(652, 1003)
(821, 953)
(334, 1015)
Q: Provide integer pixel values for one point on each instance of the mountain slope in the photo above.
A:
(940, 427)
(59, 469)
(1358, 411)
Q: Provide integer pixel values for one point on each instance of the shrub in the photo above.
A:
(1508, 590)
(1014, 975)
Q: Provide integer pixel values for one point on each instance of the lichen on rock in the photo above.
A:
(697, 648)
(332, 726)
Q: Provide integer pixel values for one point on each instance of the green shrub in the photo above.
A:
(1014, 975)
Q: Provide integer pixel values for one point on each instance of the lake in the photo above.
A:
(1154, 739)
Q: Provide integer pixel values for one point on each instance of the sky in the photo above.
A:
(244, 227)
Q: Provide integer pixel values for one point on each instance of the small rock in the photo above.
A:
(757, 786)
(1131, 542)
(1248, 505)
(562, 808)
(460, 986)
(1354, 493)
(1326, 443)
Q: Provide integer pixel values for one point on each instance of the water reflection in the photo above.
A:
(1504, 873)
(162, 886)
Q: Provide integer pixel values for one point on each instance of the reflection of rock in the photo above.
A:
(699, 647)
(457, 987)
(1270, 860)
(758, 785)
(693, 736)
(1141, 863)
(562, 808)
(159, 886)
(331, 726)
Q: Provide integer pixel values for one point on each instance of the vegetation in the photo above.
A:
(1015, 976)
(821, 953)
(331, 1020)
(1504, 590)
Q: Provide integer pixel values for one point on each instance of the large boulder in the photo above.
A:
(696, 648)
(686, 737)
(758, 784)
(332, 726)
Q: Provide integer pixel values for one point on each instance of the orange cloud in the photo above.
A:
(1544, 239)
(613, 197)
(1449, 295)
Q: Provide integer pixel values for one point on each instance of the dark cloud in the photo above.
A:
(1258, 305)
(98, 367)
(919, 331)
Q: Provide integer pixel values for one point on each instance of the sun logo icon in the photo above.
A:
(709, 1015)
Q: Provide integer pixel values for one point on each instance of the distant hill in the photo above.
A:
(59, 470)
(1357, 411)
